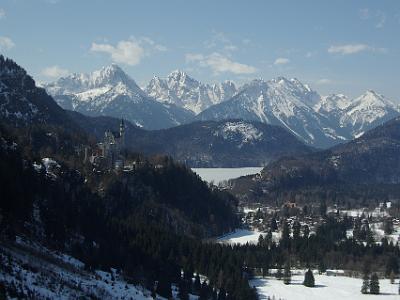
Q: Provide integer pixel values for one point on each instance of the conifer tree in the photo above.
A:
(374, 284)
(274, 226)
(164, 288)
(197, 285)
(309, 280)
(323, 208)
(279, 272)
(221, 294)
(285, 239)
(287, 275)
(391, 276)
(365, 284)
(399, 287)
(183, 293)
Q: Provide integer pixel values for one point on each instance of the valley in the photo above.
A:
(265, 165)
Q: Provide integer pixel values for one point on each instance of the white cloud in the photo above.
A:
(349, 49)
(2, 13)
(6, 43)
(125, 52)
(220, 63)
(381, 19)
(219, 41)
(54, 72)
(364, 13)
(378, 17)
(323, 81)
(281, 61)
(129, 52)
(310, 54)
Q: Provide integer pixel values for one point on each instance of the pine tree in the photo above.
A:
(391, 276)
(285, 239)
(321, 266)
(221, 294)
(164, 288)
(388, 226)
(374, 284)
(306, 231)
(279, 273)
(365, 284)
(323, 208)
(357, 229)
(309, 280)
(197, 285)
(399, 287)
(287, 275)
(274, 226)
(370, 237)
(183, 293)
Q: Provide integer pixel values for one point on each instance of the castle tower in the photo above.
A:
(122, 133)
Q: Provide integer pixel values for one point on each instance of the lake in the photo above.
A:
(218, 175)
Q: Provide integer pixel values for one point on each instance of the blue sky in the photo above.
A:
(335, 46)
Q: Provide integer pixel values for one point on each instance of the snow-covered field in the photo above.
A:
(218, 175)
(327, 288)
(241, 236)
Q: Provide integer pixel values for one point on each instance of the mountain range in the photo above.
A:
(319, 121)
(111, 92)
(228, 143)
(182, 90)
(362, 170)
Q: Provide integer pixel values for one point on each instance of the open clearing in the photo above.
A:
(327, 288)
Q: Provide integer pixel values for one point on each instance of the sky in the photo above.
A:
(336, 46)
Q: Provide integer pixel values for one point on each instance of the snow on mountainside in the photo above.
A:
(22, 102)
(283, 102)
(111, 92)
(358, 115)
(248, 132)
(182, 90)
(317, 121)
(332, 104)
(367, 111)
(32, 271)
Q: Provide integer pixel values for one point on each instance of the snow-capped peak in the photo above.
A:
(367, 111)
(332, 103)
(372, 98)
(108, 76)
(184, 91)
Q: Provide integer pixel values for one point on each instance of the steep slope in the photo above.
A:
(111, 92)
(356, 116)
(182, 90)
(282, 102)
(133, 221)
(21, 102)
(333, 106)
(231, 143)
(367, 165)
(367, 111)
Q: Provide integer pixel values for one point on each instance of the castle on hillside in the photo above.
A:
(109, 154)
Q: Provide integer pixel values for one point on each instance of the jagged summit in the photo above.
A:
(320, 121)
(109, 91)
(184, 91)
(107, 76)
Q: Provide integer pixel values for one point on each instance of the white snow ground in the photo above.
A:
(327, 288)
(218, 175)
(241, 236)
(45, 274)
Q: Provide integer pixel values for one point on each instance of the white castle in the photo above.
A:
(109, 154)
